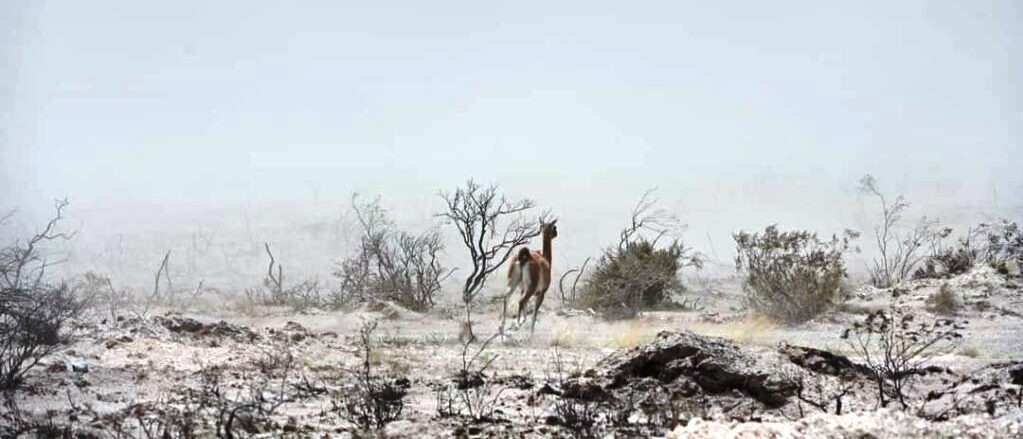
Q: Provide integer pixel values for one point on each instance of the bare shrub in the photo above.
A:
(373, 402)
(163, 274)
(998, 244)
(899, 254)
(568, 297)
(33, 312)
(275, 292)
(792, 276)
(896, 347)
(390, 263)
(944, 301)
(478, 213)
(637, 273)
(581, 417)
(248, 409)
(31, 322)
(472, 394)
(818, 393)
(944, 260)
(596, 415)
(666, 409)
(100, 289)
(22, 264)
(164, 418)
(16, 424)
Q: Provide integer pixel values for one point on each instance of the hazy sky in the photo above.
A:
(580, 105)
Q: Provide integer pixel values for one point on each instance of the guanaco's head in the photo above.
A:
(549, 229)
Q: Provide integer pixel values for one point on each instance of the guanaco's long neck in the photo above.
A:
(547, 253)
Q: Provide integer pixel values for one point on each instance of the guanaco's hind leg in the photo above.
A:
(530, 290)
(514, 281)
(539, 301)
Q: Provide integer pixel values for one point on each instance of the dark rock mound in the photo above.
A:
(194, 328)
(821, 361)
(712, 376)
(690, 364)
(292, 332)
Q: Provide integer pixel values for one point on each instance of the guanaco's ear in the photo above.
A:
(555, 222)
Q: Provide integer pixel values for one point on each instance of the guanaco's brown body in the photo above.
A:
(532, 271)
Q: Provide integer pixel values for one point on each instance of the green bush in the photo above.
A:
(791, 276)
(637, 276)
(1003, 247)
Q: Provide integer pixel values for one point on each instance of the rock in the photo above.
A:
(293, 332)
(691, 362)
(391, 311)
(721, 379)
(993, 390)
(186, 326)
(294, 327)
(521, 382)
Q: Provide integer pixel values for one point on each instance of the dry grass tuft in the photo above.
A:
(565, 336)
(754, 329)
(631, 333)
(970, 351)
(944, 301)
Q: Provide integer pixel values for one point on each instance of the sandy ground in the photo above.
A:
(135, 359)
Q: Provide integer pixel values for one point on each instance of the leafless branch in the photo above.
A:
(22, 265)
(578, 274)
(647, 217)
(390, 263)
(898, 254)
(477, 213)
(162, 272)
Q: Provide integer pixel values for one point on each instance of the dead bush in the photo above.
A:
(31, 322)
(582, 417)
(275, 292)
(792, 276)
(472, 394)
(33, 312)
(100, 289)
(164, 418)
(14, 423)
(666, 409)
(390, 263)
(626, 411)
(946, 260)
(900, 252)
(638, 274)
(234, 409)
(896, 347)
(372, 402)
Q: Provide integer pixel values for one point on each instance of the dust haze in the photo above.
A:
(208, 132)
